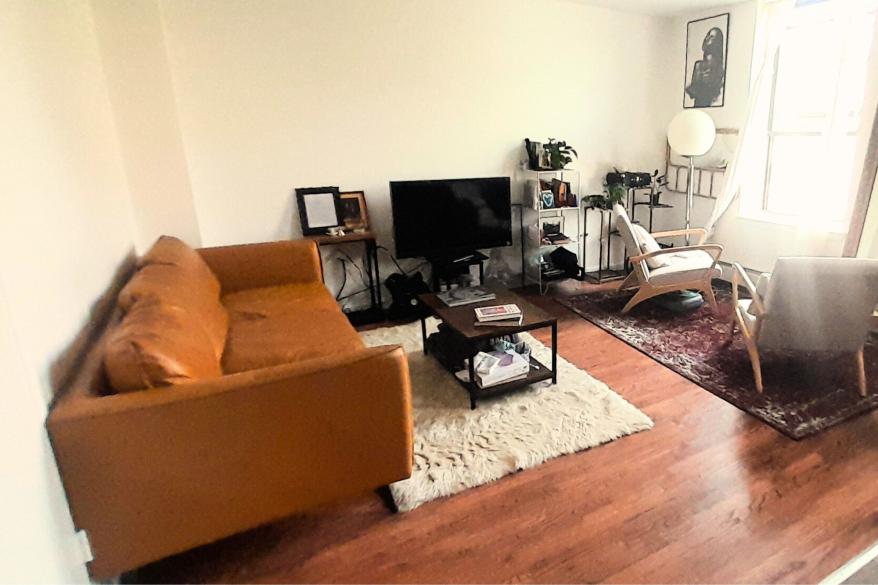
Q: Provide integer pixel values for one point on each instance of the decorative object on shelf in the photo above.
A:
(537, 159)
(560, 190)
(628, 179)
(354, 213)
(655, 195)
(559, 154)
(548, 199)
(597, 201)
(706, 48)
(691, 133)
(319, 209)
(335, 232)
(614, 192)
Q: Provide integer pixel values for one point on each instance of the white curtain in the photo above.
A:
(750, 153)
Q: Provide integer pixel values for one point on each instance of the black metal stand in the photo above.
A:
(602, 274)
(375, 313)
(446, 269)
(633, 203)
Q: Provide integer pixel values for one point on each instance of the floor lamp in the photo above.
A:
(691, 133)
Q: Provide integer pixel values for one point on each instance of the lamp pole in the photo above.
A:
(690, 195)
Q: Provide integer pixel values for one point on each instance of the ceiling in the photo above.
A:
(661, 7)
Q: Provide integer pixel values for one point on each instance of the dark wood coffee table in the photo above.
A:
(461, 319)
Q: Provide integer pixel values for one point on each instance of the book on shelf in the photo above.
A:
(465, 296)
(497, 313)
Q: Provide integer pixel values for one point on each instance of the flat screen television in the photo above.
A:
(445, 218)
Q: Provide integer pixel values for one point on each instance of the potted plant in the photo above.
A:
(612, 194)
(559, 153)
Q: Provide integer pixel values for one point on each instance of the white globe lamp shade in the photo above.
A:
(691, 133)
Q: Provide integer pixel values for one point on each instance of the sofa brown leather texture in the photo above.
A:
(297, 412)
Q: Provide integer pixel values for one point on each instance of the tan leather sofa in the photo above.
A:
(229, 391)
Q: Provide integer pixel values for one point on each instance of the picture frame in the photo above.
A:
(354, 213)
(707, 44)
(319, 209)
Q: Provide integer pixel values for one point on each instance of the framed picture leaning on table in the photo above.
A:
(354, 213)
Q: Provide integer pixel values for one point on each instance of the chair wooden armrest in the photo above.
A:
(715, 250)
(740, 276)
(701, 232)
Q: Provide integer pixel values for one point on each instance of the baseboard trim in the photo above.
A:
(851, 567)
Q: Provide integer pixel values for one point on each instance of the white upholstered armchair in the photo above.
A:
(808, 304)
(659, 270)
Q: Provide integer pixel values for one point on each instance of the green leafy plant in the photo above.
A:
(612, 194)
(559, 153)
(615, 194)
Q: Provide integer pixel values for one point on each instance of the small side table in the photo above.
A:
(603, 273)
(375, 313)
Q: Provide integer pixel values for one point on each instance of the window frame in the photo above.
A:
(757, 206)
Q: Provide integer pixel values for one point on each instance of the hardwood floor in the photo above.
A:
(709, 495)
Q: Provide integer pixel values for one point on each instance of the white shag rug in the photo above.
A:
(457, 448)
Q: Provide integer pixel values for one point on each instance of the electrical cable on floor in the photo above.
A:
(400, 268)
(344, 279)
(354, 264)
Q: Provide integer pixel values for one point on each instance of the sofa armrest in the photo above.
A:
(267, 264)
(153, 473)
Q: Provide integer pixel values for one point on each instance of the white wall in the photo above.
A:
(356, 93)
(756, 244)
(131, 41)
(65, 227)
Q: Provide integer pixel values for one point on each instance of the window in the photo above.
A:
(814, 111)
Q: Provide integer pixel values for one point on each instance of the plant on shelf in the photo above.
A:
(559, 153)
(612, 194)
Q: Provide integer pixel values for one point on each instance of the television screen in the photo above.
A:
(439, 219)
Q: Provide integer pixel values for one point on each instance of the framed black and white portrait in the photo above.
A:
(319, 209)
(707, 43)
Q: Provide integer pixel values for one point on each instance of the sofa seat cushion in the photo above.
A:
(683, 266)
(282, 324)
(157, 345)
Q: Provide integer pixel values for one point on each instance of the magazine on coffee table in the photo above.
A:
(456, 297)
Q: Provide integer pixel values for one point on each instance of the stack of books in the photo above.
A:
(465, 296)
(497, 367)
(498, 316)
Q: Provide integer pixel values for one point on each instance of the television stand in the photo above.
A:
(446, 268)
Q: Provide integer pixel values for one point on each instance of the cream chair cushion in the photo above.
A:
(648, 245)
(748, 311)
(761, 289)
(683, 266)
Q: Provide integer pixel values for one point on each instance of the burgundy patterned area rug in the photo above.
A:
(804, 394)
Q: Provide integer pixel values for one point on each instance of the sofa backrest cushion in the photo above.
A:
(156, 345)
(172, 251)
(174, 274)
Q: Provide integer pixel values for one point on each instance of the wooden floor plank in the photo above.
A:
(709, 495)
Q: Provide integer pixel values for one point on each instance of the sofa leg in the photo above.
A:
(387, 498)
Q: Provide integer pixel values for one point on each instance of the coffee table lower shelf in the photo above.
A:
(538, 372)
